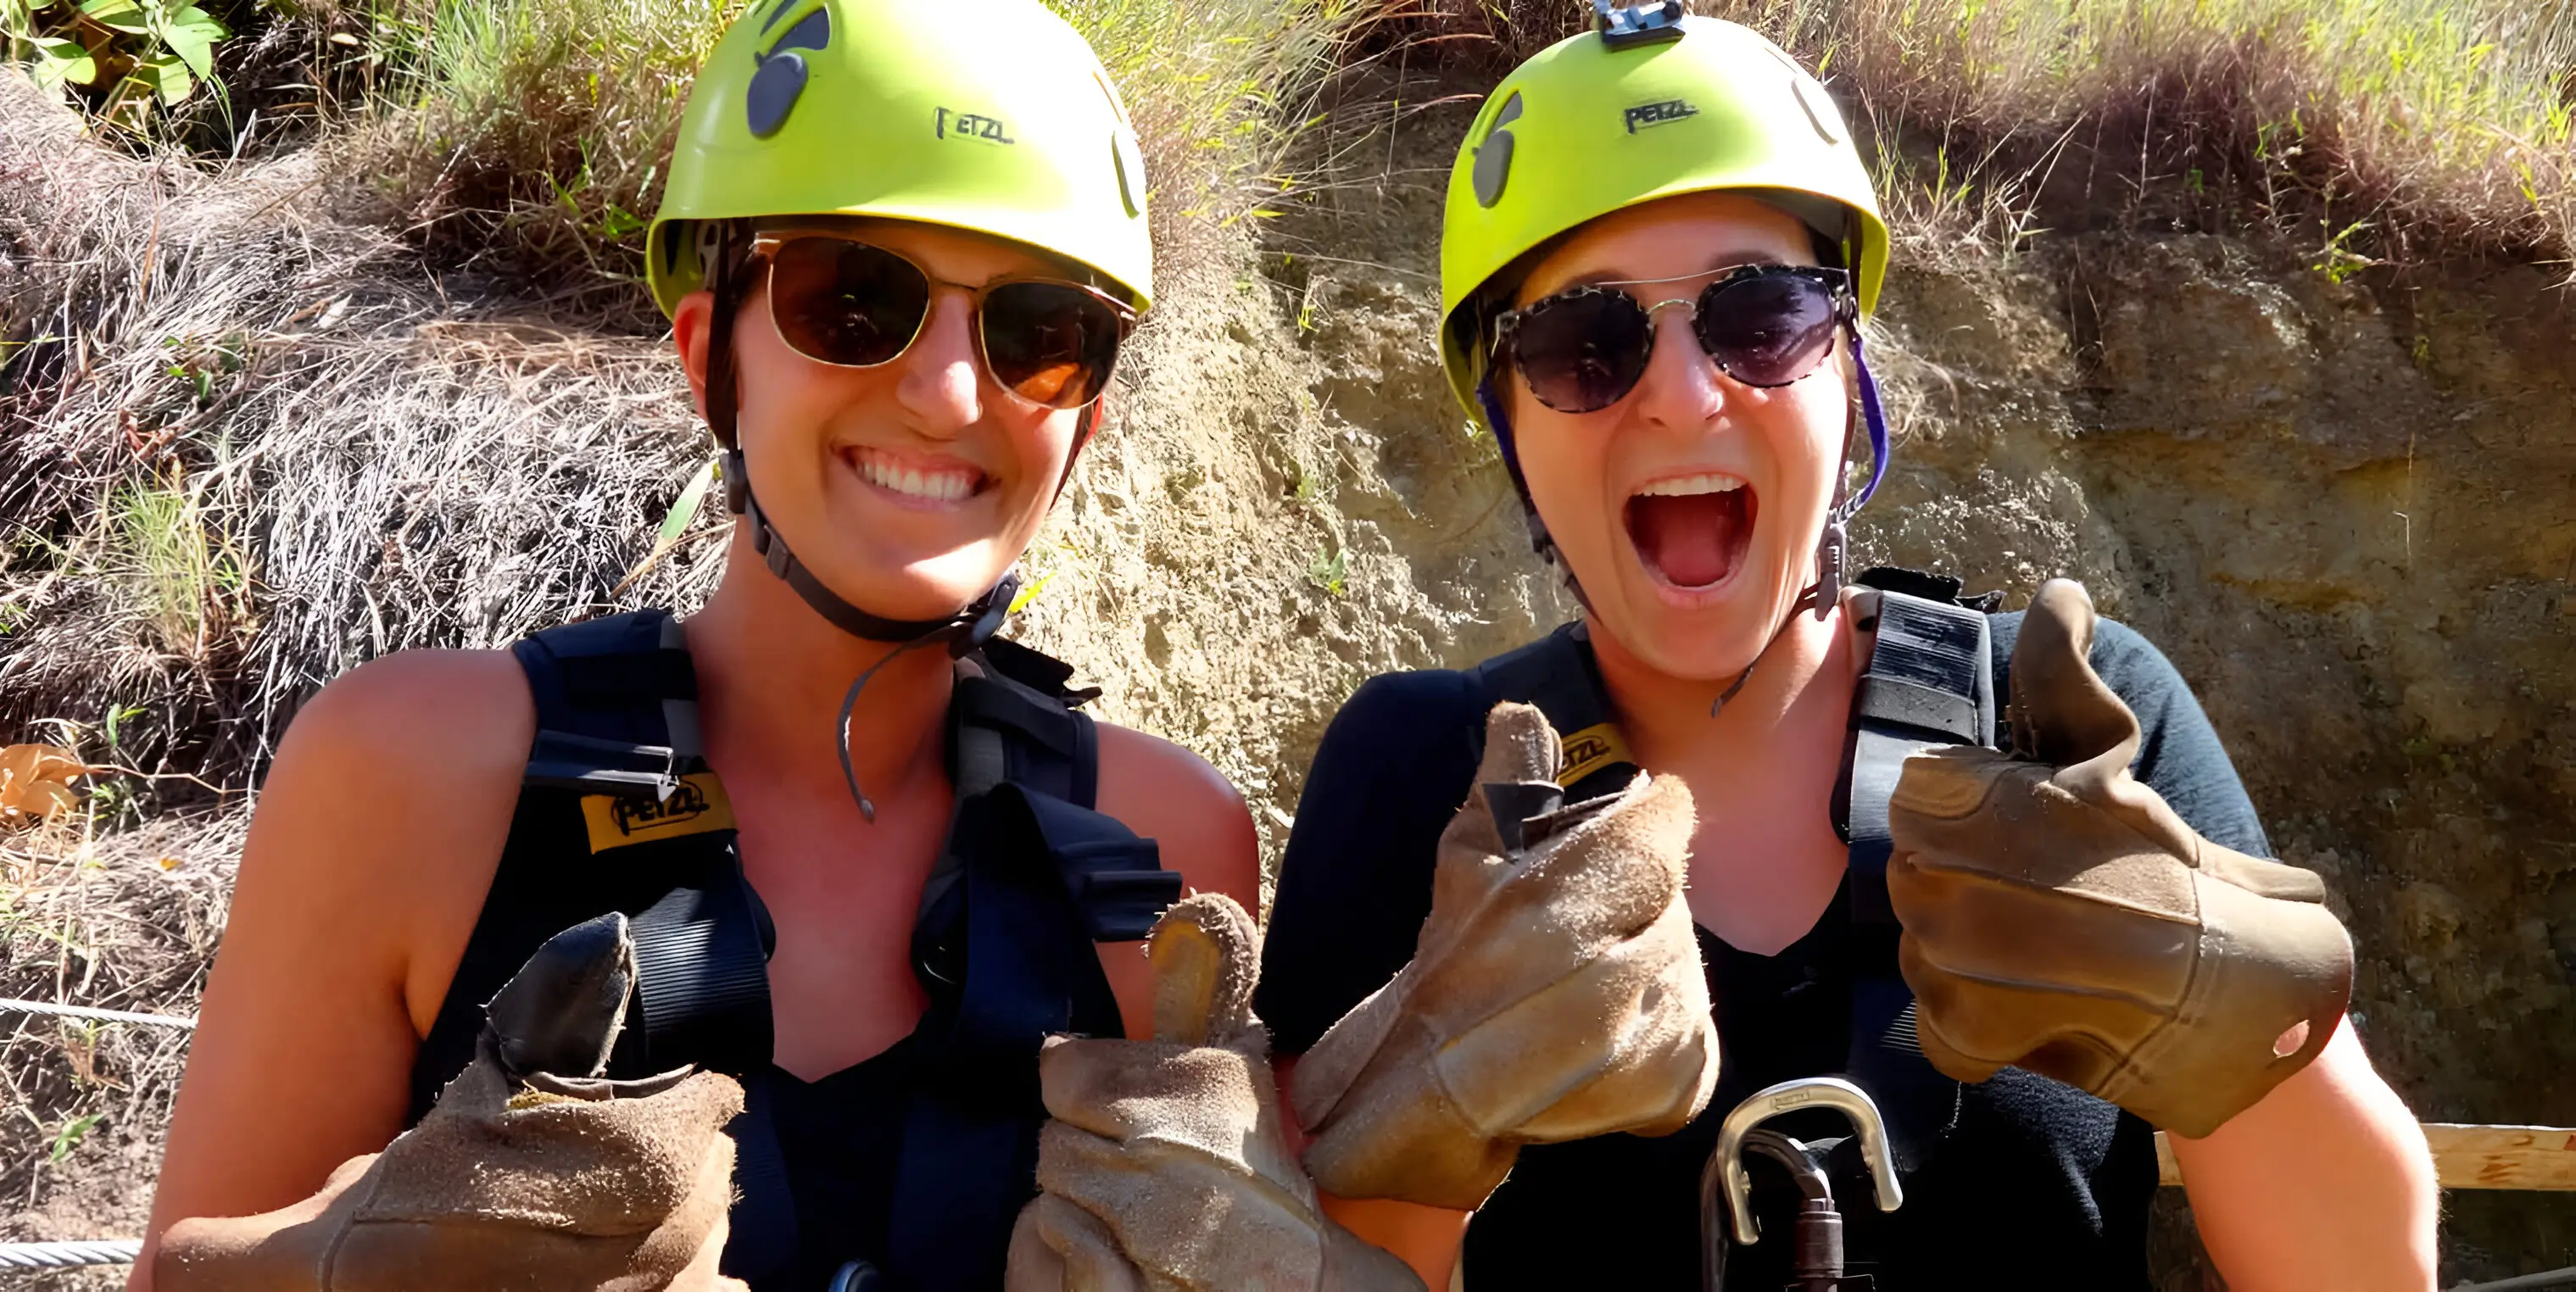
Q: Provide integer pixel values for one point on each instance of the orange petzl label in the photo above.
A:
(1589, 750)
(697, 806)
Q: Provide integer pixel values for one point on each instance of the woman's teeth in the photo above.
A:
(1686, 486)
(934, 485)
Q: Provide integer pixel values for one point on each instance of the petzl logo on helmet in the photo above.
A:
(782, 73)
(952, 124)
(1658, 114)
(1493, 163)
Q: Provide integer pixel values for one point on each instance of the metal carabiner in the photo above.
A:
(1725, 1175)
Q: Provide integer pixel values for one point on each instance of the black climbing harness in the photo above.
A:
(1029, 877)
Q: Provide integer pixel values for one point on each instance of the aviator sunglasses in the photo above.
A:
(1584, 349)
(853, 304)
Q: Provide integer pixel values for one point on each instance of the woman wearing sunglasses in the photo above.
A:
(827, 844)
(1660, 243)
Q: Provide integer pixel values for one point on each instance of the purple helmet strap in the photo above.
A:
(1833, 547)
(1501, 425)
(1871, 413)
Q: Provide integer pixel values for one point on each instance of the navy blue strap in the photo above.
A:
(702, 974)
(761, 1237)
(1011, 961)
(1557, 673)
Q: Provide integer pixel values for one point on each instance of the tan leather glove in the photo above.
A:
(1165, 1167)
(1556, 991)
(2059, 917)
(517, 1179)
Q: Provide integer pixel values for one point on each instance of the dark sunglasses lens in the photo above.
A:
(1050, 343)
(846, 302)
(1582, 351)
(1767, 330)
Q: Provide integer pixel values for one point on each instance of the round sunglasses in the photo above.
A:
(1583, 349)
(854, 304)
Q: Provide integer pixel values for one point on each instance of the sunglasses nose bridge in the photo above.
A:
(1690, 394)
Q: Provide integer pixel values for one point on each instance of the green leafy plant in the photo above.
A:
(69, 1135)
(132, 55)
(1330, 570)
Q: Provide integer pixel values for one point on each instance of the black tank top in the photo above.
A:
(840, 1137)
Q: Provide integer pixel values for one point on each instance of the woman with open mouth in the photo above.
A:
(1752, 820)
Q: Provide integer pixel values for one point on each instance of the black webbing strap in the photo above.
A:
(1930, 682)
(1557, 673)
(1008, 958)
(616, 702)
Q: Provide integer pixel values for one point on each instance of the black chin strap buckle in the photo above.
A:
(985, 617)
(737, 482)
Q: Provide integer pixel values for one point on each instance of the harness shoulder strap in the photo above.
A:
(1031, 876)
(617, 725)
(1930, 682)
(1557, 673)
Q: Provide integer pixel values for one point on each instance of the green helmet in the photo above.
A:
(1646, 107)
(995, 118)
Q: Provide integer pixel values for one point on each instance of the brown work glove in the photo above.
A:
(1165, 1167)
(1556, 992)
(2059, 917)
(518, 1179)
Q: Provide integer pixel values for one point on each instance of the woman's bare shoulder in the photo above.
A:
(391, 798)
(373, 844)
(1169, 794)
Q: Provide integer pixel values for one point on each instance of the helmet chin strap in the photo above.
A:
(1833, 547)
(971, 626)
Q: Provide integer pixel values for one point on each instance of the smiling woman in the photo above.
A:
(718, 968)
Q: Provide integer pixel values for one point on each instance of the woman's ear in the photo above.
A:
(692, 324)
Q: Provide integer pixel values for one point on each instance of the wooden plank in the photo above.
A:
(2472, 1157)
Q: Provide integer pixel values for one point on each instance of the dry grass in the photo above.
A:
(125, 922)
(2364, 129)
(527, 137)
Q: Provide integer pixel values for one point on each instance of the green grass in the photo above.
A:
(187, 579)
(2435, 126)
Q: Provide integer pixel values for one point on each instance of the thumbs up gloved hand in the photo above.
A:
(1165, 1166)
(531, 1172)
(2060, 917)
(1556, 992)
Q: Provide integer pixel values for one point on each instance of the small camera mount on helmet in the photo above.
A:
(1624, 25)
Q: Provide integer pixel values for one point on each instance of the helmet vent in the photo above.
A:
(1494, 156)
(781, 75)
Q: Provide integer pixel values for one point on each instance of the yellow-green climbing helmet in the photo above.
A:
(1648, 105)
(994, 117)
